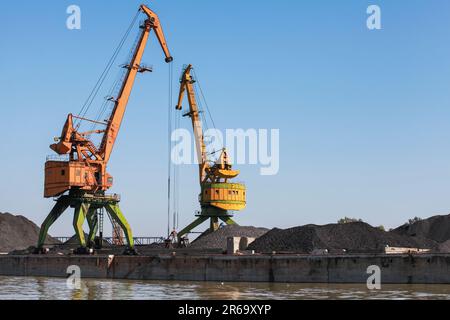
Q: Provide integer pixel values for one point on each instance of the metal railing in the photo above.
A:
(58, 158)
(139, 241)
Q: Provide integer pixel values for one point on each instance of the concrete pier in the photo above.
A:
(417, 269)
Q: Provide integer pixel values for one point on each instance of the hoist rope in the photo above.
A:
(175, 171)
(106, 108)
(95, 90)
(200, 110)
(204, 98)
(201, 99)
(176, 175)
(169, 134)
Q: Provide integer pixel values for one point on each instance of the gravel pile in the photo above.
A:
(218, 239)
(445, 246)
(436, 228)
(356, 237)
(18, 233)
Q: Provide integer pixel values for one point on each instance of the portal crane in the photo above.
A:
(81, 181)
(218, 197)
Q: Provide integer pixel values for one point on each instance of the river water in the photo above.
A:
(19, 288)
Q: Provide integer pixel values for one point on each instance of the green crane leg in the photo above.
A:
(116, 214)
(228, 221)
(61, 205)
(92, 220)
(81, 211)
(193, 225)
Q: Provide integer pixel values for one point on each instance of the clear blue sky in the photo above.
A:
(363, 115)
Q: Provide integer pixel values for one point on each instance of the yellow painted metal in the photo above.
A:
(187, 85)
(225, 196)
(218, 195)
(227, 174)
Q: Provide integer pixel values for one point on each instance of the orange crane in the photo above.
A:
(81, 181)
(218, 197)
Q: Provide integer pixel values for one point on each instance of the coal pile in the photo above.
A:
(356, 237)
(218, 239)
(444, 247)
(436, 228)
(18, 233)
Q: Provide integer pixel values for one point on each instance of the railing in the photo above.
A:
(58, 158)
(139, 241)
(113, 196)
(62, 239)
(145, 241)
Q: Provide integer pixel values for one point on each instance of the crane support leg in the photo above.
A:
(117, 215)
(81, 211)
(92, 219)
(228, 221)
(192, 226)
(61, 205)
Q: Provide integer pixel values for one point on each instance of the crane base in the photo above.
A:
(211, 214)
(86, 206)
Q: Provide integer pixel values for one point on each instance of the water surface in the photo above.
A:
(34, 288)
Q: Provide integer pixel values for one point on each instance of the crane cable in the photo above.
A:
(98, 85)
(204, 98)
(202, 101)
(173, 208)
(175, 170)
(169, 133)
(176, 175)
(114, 90)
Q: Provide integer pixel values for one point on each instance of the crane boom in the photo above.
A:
(187, 83)
(156, 25)
(86, 168)
(133, 67)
